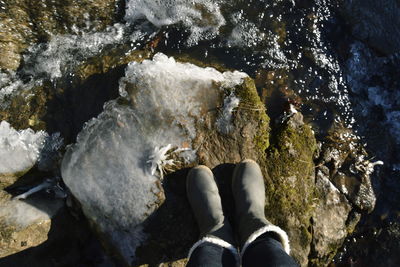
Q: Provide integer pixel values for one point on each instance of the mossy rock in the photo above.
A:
(290, 183)
(249, 137)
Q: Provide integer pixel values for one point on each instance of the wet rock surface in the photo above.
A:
(25, 23)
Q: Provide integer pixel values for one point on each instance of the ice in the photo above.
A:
(19, 150)
(111, 169)
(50, 153)
(202, 17)
(180, 81)
(22, 214)
(11, 85)
(63, 52)
(223, 123)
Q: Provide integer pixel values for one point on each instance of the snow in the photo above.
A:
(19, 150)
(112, 169)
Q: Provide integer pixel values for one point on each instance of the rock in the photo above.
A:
(170, 117)
(24, 224)
(24, 23)
(375, 23)
(349, 170)
(343, 190)
(330, 219)
(290, 184)
(141, 134)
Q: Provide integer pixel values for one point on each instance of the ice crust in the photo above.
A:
(202, 17)
(19, 150)
(63, 52)
(109, 169)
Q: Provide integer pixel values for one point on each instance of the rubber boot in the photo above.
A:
(249, 193)
(204, 198)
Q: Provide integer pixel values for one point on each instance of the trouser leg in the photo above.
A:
(267, 251)
(211, 255)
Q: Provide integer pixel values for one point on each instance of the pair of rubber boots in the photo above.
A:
(249, 194)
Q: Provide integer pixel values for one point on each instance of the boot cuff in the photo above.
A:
(219, 242)
(284, 239)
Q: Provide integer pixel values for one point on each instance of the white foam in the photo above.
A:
(202, 17)
(19, 150)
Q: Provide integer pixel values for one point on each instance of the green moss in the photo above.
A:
(290, 185)
(251, 102)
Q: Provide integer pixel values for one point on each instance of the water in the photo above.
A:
(296, 50)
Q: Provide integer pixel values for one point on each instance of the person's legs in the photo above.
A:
(216, 244)
(267, 251)
(211, 255)
(260, 241)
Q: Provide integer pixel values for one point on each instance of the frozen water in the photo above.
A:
(202, 17)
(22, 214)
(11, 85)
(109, 169)
(182, 84)
(65, 51)
(50, 153)
(223, 123)
(19, 150)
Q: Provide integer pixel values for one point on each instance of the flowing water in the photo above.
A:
(296, 50)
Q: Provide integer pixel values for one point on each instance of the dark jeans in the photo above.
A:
(264, 251)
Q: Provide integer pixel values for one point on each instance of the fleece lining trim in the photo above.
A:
(284, 239)
(216, 241)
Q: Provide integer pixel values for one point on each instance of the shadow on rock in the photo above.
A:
(69, 243)
(69, 110)
(172, 229)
